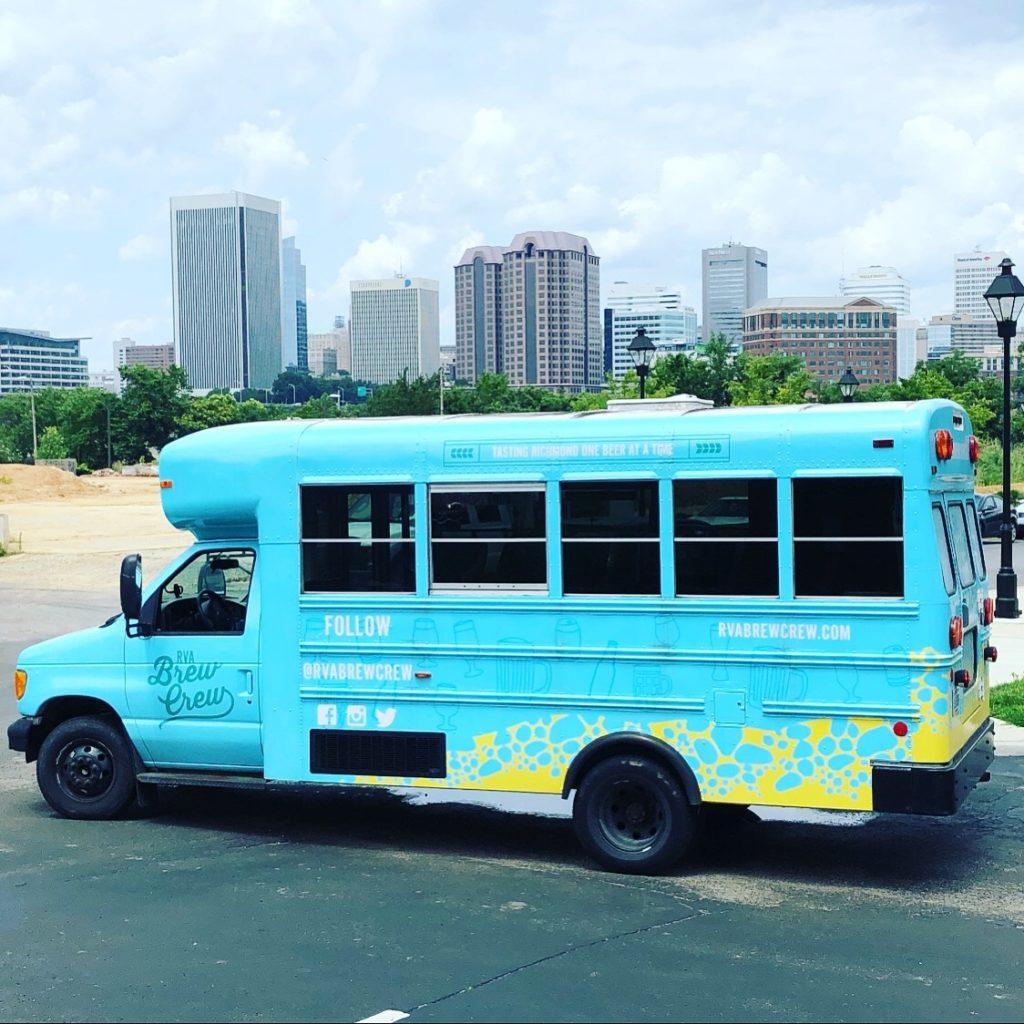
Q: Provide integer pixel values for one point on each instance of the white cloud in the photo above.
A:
(261, 150)
(384, 256)
(141, 247)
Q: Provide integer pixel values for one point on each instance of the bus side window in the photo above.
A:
(488, 538)
(944, 548)
(358, 539)
(848, 536)
(726, 537)
(610, 538)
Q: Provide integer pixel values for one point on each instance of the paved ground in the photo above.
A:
(241, 907)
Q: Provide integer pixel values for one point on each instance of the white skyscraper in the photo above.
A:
(226, 289)
(973, 272)
(669, 324)
(884, 284)
(395, 328)
(734, 277)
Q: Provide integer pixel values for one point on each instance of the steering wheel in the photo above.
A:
(212, 609)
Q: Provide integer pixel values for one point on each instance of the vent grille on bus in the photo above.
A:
(392, 754)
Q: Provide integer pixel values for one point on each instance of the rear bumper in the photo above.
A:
(937, 789)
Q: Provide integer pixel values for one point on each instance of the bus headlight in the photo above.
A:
(20, 683)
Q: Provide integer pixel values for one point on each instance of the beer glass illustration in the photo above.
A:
(446, 706)
(568, 634)
(519, 672)
(650, 681)
(666, 630)
(468, 642)
(897, 675)
(770, 681)
(719, 645)
(424, 633)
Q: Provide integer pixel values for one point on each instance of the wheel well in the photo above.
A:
(60, 709)
(617, 744)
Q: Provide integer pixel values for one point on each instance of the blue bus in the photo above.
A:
(654, 609)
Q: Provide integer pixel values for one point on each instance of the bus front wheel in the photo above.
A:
(86, 769)
(631, 815)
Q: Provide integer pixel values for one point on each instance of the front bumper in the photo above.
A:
(21, 737)
(937, 789)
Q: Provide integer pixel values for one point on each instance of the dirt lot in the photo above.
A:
(70, 532)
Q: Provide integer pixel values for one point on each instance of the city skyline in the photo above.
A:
(398, 136)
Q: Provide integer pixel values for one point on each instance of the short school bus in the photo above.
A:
(655, 609)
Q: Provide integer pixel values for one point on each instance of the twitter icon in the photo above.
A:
(385, 716)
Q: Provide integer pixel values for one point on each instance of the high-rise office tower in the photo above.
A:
(394, 328)
(885, 284)
(734, 277)
(534, 315)
(226, 289)
(294, 330)
(478, 312)
(973, 272)
(670, 325)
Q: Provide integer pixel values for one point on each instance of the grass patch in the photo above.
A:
(1007, 702)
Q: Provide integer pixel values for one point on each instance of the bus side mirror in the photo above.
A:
(131, 592)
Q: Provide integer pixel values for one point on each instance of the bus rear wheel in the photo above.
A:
(631, 815)
(86, 769)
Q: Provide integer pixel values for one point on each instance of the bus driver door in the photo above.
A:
(193, 685)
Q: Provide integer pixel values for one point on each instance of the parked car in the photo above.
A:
(990, 516)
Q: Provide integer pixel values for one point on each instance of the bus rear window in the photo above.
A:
(974, 532)
(961, 546)
(848, 537)
(943, 546)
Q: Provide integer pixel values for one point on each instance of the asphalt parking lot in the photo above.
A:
(226, 906)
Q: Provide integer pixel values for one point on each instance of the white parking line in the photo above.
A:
(384, 1017)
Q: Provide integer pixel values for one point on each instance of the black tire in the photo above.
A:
(86, 769)
(631, 815)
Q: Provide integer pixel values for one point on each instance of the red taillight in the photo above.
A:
(972, 448)
(962, 678)
(900, 728)
(956, 632)
(943, 445)
(991, 654)
(988, 611)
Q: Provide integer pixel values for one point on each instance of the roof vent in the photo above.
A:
(679, 404)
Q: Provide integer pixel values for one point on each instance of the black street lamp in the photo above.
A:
(641, 349)
(848, 385)
(1005, 297)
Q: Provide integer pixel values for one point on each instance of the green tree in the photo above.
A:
(404, 398)
(324, 407)
(16, 426)
(770, 380)
(52, 444)
(84, 421)
(209, 411)
(153, 403)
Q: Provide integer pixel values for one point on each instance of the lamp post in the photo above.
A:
(641, 349)
(848, 385)
(1005, 297)
(292, 386)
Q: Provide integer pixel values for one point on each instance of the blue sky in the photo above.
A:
(833, 134)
